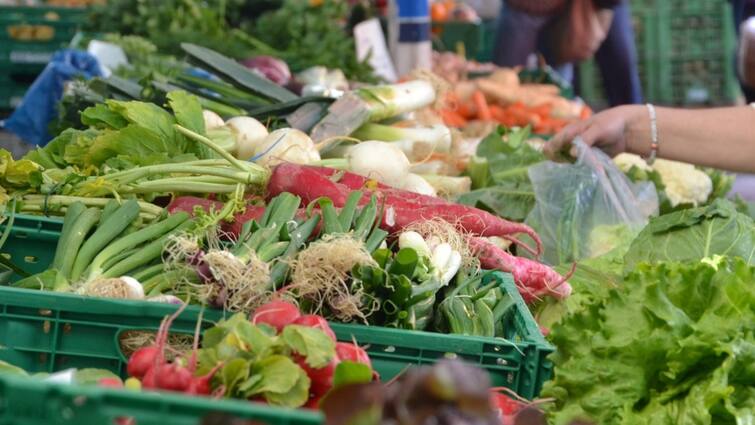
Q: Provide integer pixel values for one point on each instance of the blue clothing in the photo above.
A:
(518, 36)
(39, 107)
(617, 60)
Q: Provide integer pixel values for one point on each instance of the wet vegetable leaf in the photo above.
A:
(317, 348)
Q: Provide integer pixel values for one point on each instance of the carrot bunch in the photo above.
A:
(458, 112)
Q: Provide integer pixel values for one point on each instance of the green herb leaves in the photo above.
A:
(257, 363)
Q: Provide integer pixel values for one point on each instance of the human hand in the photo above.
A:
(606, 130)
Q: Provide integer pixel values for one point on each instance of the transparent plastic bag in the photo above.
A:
(588, 208)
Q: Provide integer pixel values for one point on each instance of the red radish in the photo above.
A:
(308, 184)
(402, 207)
(155, 354)
(110, 383)
(315, 321)
(322, 378)
(506, 406)
(313, 403)
(277, 314)
(173, 377)
(148, 382)
(353, 353)
(533, 279)
(141, 361)
(201, 385)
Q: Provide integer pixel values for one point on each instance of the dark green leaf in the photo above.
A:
(237, 73)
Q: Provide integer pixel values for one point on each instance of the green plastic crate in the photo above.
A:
(32, 242)
(487, 41)
(46, 332)
(30, 35)
(450, 34)
(11, 93)
(685, 52)
(25, 401)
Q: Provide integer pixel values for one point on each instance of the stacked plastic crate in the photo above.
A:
(28, 38)
(685, 51)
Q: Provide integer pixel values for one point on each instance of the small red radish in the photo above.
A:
(141, 361)
(352, 353)
(318, 322)
(506, 406)
(110, 383)
(173, 377)
(277, 314)
(313, 403)
(202, 385)
(148, 381)
(322, 378)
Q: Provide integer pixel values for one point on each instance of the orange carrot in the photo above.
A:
(451, 118)
(466, 110)
(483, 109)
(497, 112)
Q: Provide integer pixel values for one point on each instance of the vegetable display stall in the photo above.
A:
(274, 241)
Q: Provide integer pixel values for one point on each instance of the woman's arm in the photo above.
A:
(721, 138)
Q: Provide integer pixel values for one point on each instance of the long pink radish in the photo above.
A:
(533, 279)
(311, 183)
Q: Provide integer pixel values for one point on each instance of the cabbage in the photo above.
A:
(694, 234)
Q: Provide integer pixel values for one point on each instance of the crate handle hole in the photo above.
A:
(30, 259)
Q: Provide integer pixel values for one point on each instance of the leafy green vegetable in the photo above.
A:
(257, 363)
(167, 23)
(499, 174)
(672, 345)
(309, 343)
(306, 34)
(127, 134)
(694, 234)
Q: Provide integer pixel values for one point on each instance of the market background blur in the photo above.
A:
(671, 52)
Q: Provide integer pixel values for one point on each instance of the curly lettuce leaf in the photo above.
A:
(694, 234)
(673, 344)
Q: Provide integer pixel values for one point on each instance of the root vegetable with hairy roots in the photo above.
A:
(322, 275)
(243, 285)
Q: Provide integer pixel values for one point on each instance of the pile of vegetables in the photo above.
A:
(277, 356)
(502, 98)
(686, 358)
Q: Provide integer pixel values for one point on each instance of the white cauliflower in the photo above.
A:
(684, 183)
(625, 162)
